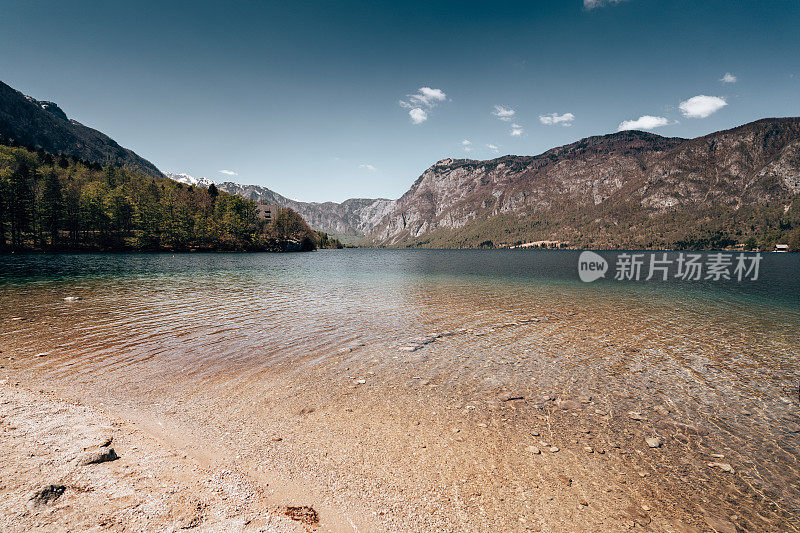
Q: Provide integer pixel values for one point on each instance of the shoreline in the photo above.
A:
(146, 484)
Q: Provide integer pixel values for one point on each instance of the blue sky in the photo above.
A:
(331, 100)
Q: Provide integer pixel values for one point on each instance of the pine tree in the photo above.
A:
(21, 203)
(52, 206)
(5, 195)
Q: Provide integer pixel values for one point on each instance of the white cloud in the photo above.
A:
(425, 97)
(728, 78)
(646, 122)
(517, 130)
(467, 145)
(591, 4)
(419, 103)
(228, 172)
(554, 118)
(367, 166)
(418, 116)
(503, 113)
(494, 148)
(701, 106)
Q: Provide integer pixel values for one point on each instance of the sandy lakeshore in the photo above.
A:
(52, 477)
(375, 448)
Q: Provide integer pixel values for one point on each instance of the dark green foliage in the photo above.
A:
(794, 241)
(20, 206)
(51, 206)
(60, 203)
(327, 242)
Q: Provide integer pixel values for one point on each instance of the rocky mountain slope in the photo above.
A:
(629, 188)
(352, 218)
(35, 123)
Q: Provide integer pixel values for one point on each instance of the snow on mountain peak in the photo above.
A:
(186, 179)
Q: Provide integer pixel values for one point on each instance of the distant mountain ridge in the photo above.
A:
(35, 123)
(352, 218)
(630, 188)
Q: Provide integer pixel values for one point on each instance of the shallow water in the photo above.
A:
(722, 356)
(202, 312)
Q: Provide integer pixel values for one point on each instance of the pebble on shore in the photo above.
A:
(100, 455)
(725, 467)
(653, 442)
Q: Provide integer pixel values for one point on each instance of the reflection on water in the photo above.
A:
(202, 311)
(722, 355)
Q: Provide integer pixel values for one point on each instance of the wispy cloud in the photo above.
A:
(592, 4)
(467, 145)
(419, 103)
(424, 97)
(367, 166)
(493, 147)
(701, 106)
(646, 122)
(554, 118)
(418, 116)
(504, 113)
(728, 78)
(228, 172)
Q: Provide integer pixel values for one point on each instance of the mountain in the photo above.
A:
(186, 179)
(626, 189)
(33, 123)
(630, 188)
(353, 218)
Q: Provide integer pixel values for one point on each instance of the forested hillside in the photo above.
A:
(32, 122)
(52, 202)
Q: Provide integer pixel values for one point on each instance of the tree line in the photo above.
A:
(55, 202)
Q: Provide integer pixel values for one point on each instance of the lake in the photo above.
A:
(392, 377)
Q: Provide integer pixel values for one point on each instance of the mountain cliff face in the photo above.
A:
(352, 218)
(625, 189)
(33, 123)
